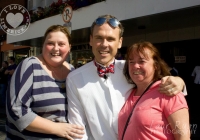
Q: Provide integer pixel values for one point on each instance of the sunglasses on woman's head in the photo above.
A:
(112, 21)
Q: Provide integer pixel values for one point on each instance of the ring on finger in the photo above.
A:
(171, 89)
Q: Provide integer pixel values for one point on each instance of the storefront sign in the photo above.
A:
(180, 59)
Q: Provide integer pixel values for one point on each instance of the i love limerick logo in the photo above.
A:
(14, 19)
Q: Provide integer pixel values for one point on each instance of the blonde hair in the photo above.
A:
(55, 28)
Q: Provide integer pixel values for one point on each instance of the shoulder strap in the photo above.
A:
(128, 120)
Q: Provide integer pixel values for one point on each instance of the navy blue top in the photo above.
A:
(11, 67)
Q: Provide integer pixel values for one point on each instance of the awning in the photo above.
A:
(6, 47)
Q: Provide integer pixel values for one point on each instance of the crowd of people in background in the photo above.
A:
(6, 72)
(3, 82)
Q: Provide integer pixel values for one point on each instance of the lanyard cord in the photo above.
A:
(129, 117)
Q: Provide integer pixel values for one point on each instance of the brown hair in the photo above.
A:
(56, 28)
(159, 64)
(121, 28)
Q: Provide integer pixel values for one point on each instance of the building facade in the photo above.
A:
(173, 26)
(158, 22)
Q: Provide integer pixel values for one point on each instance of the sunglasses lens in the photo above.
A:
(100, 21)
(114, 22)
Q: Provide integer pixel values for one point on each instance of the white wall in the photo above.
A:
(122, 9)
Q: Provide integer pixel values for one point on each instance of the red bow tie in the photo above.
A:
(103, 70)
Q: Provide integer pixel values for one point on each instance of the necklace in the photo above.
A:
(62, 85)
(59, 77)
(56, 73)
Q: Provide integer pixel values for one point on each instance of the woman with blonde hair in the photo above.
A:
(36, 99)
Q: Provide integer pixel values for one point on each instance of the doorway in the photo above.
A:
(21, 54)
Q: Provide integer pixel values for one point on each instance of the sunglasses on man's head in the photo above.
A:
(112, 21)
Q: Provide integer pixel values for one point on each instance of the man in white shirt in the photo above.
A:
(97, 91)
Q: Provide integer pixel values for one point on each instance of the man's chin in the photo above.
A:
(104, 61)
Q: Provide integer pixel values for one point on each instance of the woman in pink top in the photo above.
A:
(147, 114)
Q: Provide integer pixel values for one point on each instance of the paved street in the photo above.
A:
(2, 123)
(2, 130)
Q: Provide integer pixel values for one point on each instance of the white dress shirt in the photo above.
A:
(94, 102)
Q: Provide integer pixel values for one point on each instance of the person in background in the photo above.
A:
(72, 67)
(147, 114)
(119, 56)
(78, 65)
(36, 99)
(170, 63)
(97, 90)
(3, 83)
(196, 77)
(11, 68)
